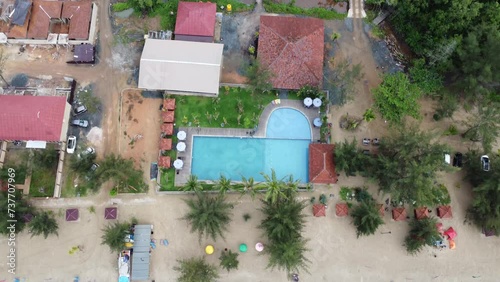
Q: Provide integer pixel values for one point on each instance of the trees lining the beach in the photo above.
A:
(349, 158)
(196, 270)
(208, 215)
(21, 208)
(423, 232)
(366, 218)
(229, 260)
(43, 223)
(115, 233)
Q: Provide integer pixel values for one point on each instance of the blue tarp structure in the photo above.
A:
(21, 9)
(153, 172)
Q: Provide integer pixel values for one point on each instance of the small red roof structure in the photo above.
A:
(72, 214)
(167, 116)
(195, 21)
(165, 144)
(167, 128)
(444, 212)
(321, 166)
(292, 48)
(111, 213)
(319, 210)
(37, 118)
(341, 209)
(421, 213)
(381, 210)
(164, 161)
(399, 214)
(169, 104)
(451, 233)
(41, 15)
(79, 13)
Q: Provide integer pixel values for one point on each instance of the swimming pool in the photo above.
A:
(285, 149)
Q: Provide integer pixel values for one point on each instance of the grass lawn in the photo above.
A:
(68, 189)
(283, 8)
(235, 107)
(43, 181)
(20, 172)
(167, 178)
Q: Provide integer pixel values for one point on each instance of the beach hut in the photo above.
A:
(169, 104)
(421, 213)
(451, 233)
(111, 213)
(164, 161)
(444, 212)
(167, 128)
(72, 214)
(319, 210)
(165, 144)
(341, 209)
(399, 214)
(167, 116)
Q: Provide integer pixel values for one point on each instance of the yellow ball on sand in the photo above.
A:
(209, 249)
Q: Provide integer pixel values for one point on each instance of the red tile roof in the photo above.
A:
(167, 128)
(319, 210)
(165, 144)
(196, 18)
(31, 117)
(41, 14)
(293, 49)
(169, 104)
(167, 116)
(164, 161)
(399, 214)
(421, 213)
(79, 13)
(321, 166)
(444, 212)
(341, 209)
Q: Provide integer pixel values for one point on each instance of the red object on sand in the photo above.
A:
(319, 210)
(341, 209)
(399, 214)
(444, 212)
(421, 213)
(451, 233)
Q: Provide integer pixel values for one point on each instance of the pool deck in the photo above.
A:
(310, 113)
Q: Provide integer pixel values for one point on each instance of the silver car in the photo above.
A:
(80, 123)
(485, 162)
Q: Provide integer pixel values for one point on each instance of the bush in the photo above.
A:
(321, 13)
(121, 6)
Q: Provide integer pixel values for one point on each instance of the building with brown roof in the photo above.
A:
(78, 15)
(42, 14)
(321, 164)
(195, 21)
(292, 48)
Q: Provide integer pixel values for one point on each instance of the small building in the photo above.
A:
(34, 119)
(181, 66)
(321, 165)
(195, 21)
(292, 49)
(140, 253)
(83, 54)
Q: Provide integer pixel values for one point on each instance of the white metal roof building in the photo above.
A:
(140, 252)
(182, 66)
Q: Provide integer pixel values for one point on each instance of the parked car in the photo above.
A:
(94, 167)
(79, 109)
(447, 158)
(80, 123)
(70, 148)
(457, 160)
(485, 162)
(88, 151)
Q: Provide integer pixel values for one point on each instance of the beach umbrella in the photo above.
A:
(181, 135)
(209, 249)
(317, 122)
(317, 102)
(178, 164)
(308, 102)
(181, 146)
(243, 248)
(259, 247)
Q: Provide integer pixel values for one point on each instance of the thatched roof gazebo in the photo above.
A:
(444, 212)
(399, 214)
(165, 144)
(341, 209)
(169, 104)
(421, 213)
(319, 210)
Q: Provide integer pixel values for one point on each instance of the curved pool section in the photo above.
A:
(285, 149)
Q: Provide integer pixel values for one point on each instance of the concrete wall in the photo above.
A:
(209, 39)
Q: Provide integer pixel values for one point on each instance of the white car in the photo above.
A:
(485, 162)
(70, 148)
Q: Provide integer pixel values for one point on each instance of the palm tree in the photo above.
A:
(366, 218)
(249, 187)
(288, 255)
(423, 232)
(195, 270)
(484, 126)
(193, 184)
(291, 186)
(22, 208)
(229, 260)
(208, 215)
(275, 188)
(283, 221)
(44, 224)
(223, 185)
(114, 234)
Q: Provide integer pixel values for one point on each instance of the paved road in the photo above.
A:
(356, 9)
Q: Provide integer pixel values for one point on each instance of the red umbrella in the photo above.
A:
(164, 161)
(167, 116)
(421, 213)
(444, 212)
(319, 210)
(169, 104)
(165, 144)
(167, 128)
(399, 214)
(450, 233)
(341, 209)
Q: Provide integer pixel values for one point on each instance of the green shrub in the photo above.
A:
(321, 13)
(452, 130)
(121, 6)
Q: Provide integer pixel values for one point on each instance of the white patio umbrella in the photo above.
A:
(317, 122)
(308, 102)
(259, 247)
(181, 146)
(178, 164)
(181, 135)
(317, 102)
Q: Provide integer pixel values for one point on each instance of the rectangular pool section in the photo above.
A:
(235, 156)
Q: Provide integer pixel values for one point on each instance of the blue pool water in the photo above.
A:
(285, 149)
